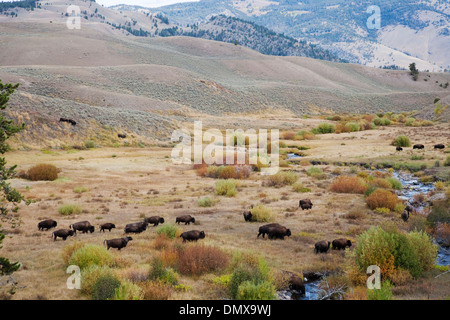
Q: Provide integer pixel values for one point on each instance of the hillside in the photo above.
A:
(110, 81)
(340, 26)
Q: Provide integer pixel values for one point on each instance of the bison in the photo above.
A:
(278, 232)
(248, 216)
(399, 149)
(322, 246)
(418, 146)
(72, 122)
(136, 227)
(439, 146)
(342, 243)
(263, 230)
(192, 235)
(107, 226)
(122, 135)
(154, 220)
(117, 243)
(305, 204)
(63, 233)
(405, 215)
(187, 219)
(83, 226)
(47, 224)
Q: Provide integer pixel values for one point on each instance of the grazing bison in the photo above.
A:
(117, 243)
(72, 122)
(405, 215)
(295, 282)
(418, 146)
(248, 216)
(122, 135)
(263, 230)
(341, 243)
(154, 220)
(47, 224)
(192, 235)
(399, 149)
(63, 233)
(278, 232)
(305, 204)
(409, 209)
(136, 227)
(83, 226)
(107, 226)
(322, 246)
(187, 219)
(439, 146)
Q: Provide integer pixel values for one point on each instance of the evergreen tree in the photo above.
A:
(414, 71)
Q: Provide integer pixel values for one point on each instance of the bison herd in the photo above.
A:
(422, 147)
(136, 227)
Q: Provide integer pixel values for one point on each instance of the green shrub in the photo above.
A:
(440, 213)
(161, 273)
(282, 178)
(128, 291)
(353, 126)
(205, 202)
(315, 172)
(410, 122)
(249, 290)
(261, 213)
(402, 141)
(69, 209)
(170, 230)
(226, 188)
(42, 172)
(89, 144)
(324, 128)
(91, 254)
(384, 293)
(80, 189)
(447, 162)
(105, 287)
(395, 184)
(90, 275)
(298, 187)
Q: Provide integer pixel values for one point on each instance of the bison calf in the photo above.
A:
(248, 216)
(154, 220)
(187, 219)
(192, 235)
(117, 243)
(342, 243)
(305, 204)
(63, 233)
(107, 226)
(47, 224)
(399, 149)
(322, 246)
(405, 215)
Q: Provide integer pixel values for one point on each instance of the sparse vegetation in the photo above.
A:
(226, 188)
(69, 209)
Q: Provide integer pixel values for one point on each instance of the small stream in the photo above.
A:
(411, 187)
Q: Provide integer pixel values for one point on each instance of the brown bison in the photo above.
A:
(192, 235)
(305, 204)
(154, 220)
(83, 226)
(399, 149)
(341, 243)
(278, 232)
(322, 246)
(418, 146)
(122, 135)
(405, 215)
(295, 282)
(117, 243)
(72, 122)
(248, 216)
(107, 226)
(47, 224)
(187, 219)
(63, 233)
(263, 230)
(136, 227)
(439, 146)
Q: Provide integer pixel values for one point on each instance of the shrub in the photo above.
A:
(105, 287)
(68, 250)
(261, 213)
(161, 273)
(69, 209)
(205, 202)
(353, 126)
(80, 189)
(45, 172)
(198, 259)
(385, 293)
(324, 128)
(170, 230)
(382, 199)
(90, 275)
(91, 254)
(395, 184)
(249, 290)
(447, 162)
(226, 188)
(381, 183)
(315, 172)
(227, 172)
(282, 178)
(348, 184)
(128, 291)
(89, 144)
(298, 187)
(156, 290)
(402, 141)
(248, 268)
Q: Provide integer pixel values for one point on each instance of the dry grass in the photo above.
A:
(348, 184)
